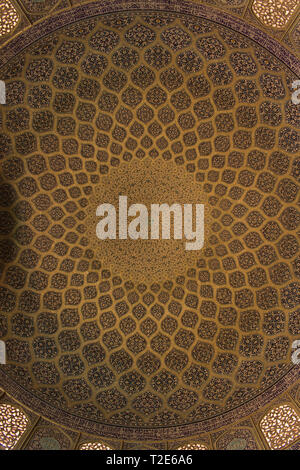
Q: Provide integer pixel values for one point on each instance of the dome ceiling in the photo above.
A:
(202, 112)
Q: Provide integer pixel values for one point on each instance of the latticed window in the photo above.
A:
(274, 13)
(12, 425)
(94, 446)
(281, 426)
(193, 447)
(9, 17)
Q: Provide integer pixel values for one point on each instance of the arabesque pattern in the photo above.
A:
(101, 94)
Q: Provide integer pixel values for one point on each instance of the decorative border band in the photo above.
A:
(66, 17)
(89, 426)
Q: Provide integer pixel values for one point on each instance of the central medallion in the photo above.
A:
(155, 232)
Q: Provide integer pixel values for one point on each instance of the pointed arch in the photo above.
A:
(9, 17)
(281, 426)
(13, 424)
(274, 13)
(94, 446)
(194, 446)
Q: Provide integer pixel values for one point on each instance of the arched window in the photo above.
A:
(9, 17)
(94, 446)
(12, 425)
(193, 447)
(281, 426)
(274, 13)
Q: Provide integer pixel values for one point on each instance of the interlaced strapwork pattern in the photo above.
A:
(96, 96)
